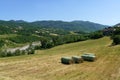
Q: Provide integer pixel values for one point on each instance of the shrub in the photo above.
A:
(30, 51)
(2, 42)
(23, 52)
(116, 39)
(8, 54)
(3, 54)
(17, 52)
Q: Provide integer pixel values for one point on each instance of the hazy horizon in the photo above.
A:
(103, 12)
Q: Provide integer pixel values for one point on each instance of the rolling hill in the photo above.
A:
(13, 26)
(84, 26)
(46, 65)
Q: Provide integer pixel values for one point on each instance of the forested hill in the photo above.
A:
(84, 26)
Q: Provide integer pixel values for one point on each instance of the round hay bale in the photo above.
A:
(67, 60)
(77, 59)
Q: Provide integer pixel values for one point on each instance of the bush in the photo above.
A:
(30, 51)
(23, 52)
(2, 42)
(116, 39)
(17, 52)
(3, 54)
(8, 54)
(37, 47)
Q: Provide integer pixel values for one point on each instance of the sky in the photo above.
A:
(99, 11)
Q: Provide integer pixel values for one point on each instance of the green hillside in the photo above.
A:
(50, 33)
(46, 65)
(84, 26)
(19, 26)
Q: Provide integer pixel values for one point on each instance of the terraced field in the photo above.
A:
(46, 65)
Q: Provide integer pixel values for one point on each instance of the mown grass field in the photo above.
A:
(45, 64)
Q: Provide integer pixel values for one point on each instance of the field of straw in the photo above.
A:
(46, 64)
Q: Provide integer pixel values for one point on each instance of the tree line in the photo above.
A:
(46, 42)
(52, 41)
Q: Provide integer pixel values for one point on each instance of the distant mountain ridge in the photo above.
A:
(84, 26)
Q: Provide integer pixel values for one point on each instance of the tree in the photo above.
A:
(96, 35)
(46, 43)
(116, 39)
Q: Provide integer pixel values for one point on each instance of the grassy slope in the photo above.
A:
(45, 64)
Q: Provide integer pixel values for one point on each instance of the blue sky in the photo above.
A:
(99, 11)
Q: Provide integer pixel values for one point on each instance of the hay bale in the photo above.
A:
(88, 57)
(77, 59)
(67, 60)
